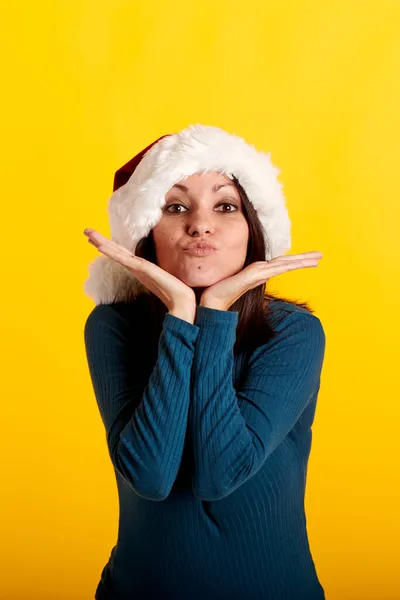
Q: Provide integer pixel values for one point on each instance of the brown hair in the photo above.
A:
(253, 328)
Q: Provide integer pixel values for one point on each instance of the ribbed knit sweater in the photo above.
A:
(210, 454)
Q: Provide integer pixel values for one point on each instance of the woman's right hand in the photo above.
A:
(176, 295)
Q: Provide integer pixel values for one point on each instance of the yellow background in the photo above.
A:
(85, 85)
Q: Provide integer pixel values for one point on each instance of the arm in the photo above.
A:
(234, 432)
(145, 429)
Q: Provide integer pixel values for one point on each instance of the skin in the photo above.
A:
(217, 280)
(201, 213)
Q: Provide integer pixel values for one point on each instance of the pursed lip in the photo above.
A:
(200, 246)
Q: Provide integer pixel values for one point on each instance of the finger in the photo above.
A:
(294, 262)
(282, 267)
(125, 257)
(291, 257)
(267, 270)
(97, 239)
(264, 271)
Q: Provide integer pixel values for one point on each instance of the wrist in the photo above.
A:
(212, 304)
(187, 312)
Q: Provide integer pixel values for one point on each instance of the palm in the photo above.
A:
(225, 292)
(225, 288)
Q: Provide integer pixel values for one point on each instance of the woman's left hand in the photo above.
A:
(224, 293)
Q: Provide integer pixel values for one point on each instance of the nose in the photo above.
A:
(200, 222)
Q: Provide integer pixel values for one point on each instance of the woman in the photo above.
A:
(206, 385)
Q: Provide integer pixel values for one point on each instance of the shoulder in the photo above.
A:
(297, 346)
(297, 323)
(115, 315)
(111, 310)
(281, 310)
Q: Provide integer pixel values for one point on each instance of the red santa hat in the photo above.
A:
(140, 186)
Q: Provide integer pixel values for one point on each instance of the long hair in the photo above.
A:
(253, 306)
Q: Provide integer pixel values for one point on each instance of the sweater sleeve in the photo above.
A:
(234, 431)
(145, 430)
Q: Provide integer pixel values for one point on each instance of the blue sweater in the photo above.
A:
(210, 454)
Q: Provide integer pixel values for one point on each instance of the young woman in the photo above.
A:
(206, 384)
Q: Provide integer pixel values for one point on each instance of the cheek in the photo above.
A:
(165, 240)
(163, 236)
(238, 237)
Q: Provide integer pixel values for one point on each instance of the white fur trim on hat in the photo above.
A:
(135, 208)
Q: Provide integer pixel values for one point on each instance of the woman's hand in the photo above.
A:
(224, 293)
(175, 294)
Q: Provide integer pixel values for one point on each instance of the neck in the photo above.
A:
(198, 292)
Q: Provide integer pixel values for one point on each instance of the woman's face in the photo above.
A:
(203, 207)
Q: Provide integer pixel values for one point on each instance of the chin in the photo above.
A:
(205, 278)
(200, 281)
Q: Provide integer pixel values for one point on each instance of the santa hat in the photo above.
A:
(140, 186)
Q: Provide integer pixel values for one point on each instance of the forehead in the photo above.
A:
(213, 181)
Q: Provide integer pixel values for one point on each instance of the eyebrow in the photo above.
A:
(215, 188)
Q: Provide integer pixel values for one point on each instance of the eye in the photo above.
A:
(166, 208)
(228, 204)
